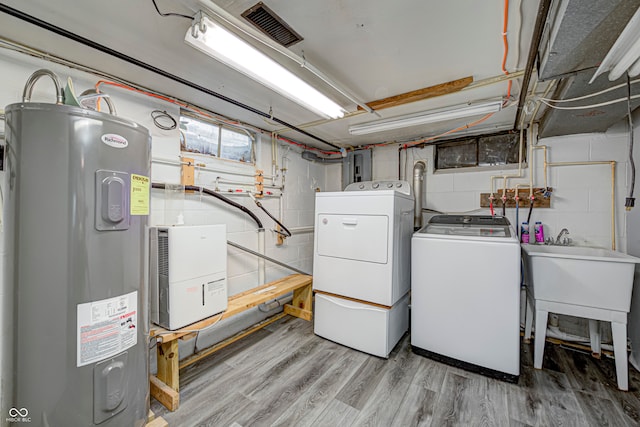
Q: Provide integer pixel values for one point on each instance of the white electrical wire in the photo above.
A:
(591, 94)
(584, 107)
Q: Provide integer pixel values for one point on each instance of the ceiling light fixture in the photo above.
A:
(426, 117)
(216, 41)
(624, 55)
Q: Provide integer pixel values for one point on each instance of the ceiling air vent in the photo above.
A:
(271, 24)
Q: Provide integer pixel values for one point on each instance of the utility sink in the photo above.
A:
(592, 283)
(592, 277)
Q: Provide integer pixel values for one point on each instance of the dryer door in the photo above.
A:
(353, 237)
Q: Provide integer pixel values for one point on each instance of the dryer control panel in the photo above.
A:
(401, 186)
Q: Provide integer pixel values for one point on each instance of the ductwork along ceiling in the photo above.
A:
(576, 38)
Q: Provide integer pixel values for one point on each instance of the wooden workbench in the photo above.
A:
(165, 385)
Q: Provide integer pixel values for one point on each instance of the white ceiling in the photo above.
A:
(373, 48)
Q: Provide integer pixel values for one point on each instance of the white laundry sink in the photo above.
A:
(591, 277)
(592, 283)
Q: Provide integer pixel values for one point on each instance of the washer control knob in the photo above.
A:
(390, 185)
(399, 185)
(361, 186)
(375, 185)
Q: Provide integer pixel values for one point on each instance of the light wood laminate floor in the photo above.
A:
(284, 375)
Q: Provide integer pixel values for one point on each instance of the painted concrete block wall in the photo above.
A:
(302, 180)
(581, 199)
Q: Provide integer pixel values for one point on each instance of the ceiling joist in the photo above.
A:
(420, 94)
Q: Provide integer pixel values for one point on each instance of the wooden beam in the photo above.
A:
(420, 94)
(187, 173)
(168, 364)
(302, 297)
(188, 337)
(386, 307)
(158, 422)
(222, 344)
(298, 312)
(259, 184)
(164, 394)
(279, 237)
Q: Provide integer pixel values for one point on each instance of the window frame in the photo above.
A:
(220, 125)
(474, 141)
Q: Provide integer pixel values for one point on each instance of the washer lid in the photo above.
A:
(468, 225)
(472, 220)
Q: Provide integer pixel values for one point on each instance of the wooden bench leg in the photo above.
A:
(166, 387)
(301, 304)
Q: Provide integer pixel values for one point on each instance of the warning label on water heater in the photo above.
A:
(139, 194)
(107, 327)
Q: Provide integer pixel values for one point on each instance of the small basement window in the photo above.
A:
(480, 151)
(214, 139)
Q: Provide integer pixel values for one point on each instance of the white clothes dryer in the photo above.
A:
(361, 264)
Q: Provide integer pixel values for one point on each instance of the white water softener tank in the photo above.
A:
(76, 208)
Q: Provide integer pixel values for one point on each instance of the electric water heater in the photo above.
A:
(76, 208)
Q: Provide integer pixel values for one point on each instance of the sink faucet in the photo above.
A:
(562, 233)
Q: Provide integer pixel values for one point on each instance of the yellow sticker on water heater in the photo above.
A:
(139, 195)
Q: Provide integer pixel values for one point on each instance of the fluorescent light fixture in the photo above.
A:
(426, 117)
(216, 41)
(624, 54)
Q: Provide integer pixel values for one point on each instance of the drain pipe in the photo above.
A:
(418, 179)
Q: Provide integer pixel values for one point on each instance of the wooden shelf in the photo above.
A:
(165, 385)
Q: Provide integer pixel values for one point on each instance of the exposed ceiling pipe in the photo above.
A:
(476, 84)
(313, 157)
(543, 11)
(82, 40)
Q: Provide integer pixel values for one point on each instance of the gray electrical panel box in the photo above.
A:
(356, 167)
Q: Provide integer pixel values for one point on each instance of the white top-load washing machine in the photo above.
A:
(465, 291)
(361, 264)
